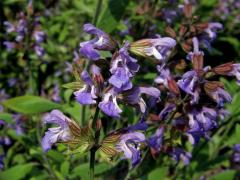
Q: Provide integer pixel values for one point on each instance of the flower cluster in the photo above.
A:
(178, 105)
(26, 33)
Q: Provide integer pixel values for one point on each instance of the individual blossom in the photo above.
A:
(179, 154)
(200, 123)
(87, 94)
(109, 104)
(9, 27)
(235, 158)
(196, 52)
(39, 36)
(102, 41)
(215, 90)
(129, 144)
(39, 50)
(9, 45)
(189, 84)
(229, 69)
(155, 142)
(21, 28)
(212, 29)
(66, 131)
(159, 48)
(167, 80)
(134, 96)
(1, 161)
(166, 111)
(123, 67)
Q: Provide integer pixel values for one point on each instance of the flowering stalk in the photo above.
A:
(94, 123)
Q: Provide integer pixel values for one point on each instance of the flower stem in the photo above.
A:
(94, 148)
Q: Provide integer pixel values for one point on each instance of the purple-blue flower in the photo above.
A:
(159, 48)
(62, 133)
(179, 154)
(129, 144)
(39, 36)
(167, 110)
(21, 29)
(189, 84)
(212, 28)
(102, 41)
(196, 51)
(9, 45)
(133, 96)
(109, 104)
(156, 140)
(163, 77)
(235, 159)
(123, 67)
(235, 72)
(39, 50)
(220, 96)
(9, 26)
(200, 123)
(87, 94)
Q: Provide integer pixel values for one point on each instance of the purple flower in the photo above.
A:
(1, 162)
(5, 141)
(156, 140)
(167, 110)
(235, 159)
(141, 126)
(21, 29)
(133, 96)
(123, 67)
(220, 96)
(102, 41)
(200, 122)
(62, 133)
(87, 94)
(129, 144)
(179, 154)
(158, 48)
(163, 76)
(109, 104)
(9, 26)
(212, 28)
(235, 72)
(39, 50)
(39, 36)
(9, 45)
(189, 84)
(196, 51)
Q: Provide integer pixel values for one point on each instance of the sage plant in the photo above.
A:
(179, 107)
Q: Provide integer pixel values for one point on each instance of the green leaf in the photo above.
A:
(112, 14)
(81, 170)
(29, 104)
(17, 172)
(159, 173)
(6, 117)
(65, 168)
(73, 85)
(228, 174)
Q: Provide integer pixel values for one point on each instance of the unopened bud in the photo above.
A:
(187, 10)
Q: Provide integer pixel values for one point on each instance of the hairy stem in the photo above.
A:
(94, 148)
